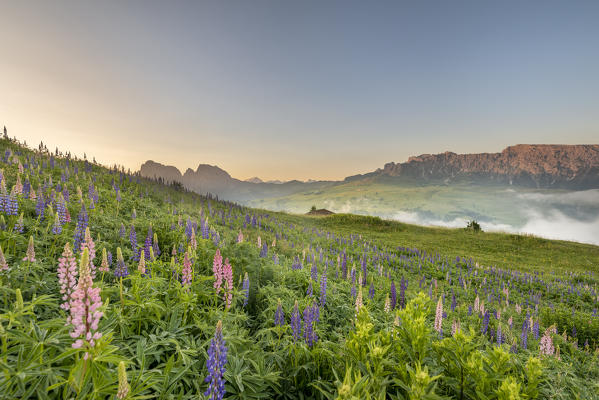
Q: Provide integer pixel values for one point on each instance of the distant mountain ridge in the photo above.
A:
(529, 165)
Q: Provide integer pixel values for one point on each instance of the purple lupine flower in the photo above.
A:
(453, 301)
(393, 296)
(364, 271)
(121, 268)
(133, 240)
(499, 338)
(535, 330)
(296, 322)
(485, 325)
(82, 221)
(279, 314)
(371, 291)
(217, 359)
(309, 321)
(353, 290)
(323, 287)
(122, 231)
(19, 225)
(246, 289)
(56, 227)
(40, 206)
(524, 336)
(403, 285)
(12, 205)
(314, 272)
(309, 291)
(148, 243)
(264, 251)
(155, 246)
(109, 258)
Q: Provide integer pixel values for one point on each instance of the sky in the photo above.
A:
(297, 90)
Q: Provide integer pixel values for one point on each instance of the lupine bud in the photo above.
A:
(124, 388)
(30, 255)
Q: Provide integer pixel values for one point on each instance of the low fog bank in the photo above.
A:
(565, 216)
(562, 215)
(556, 225)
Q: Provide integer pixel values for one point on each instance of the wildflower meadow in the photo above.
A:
(117, 286)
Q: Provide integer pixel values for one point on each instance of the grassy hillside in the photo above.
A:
(522, 252)
(114, 286)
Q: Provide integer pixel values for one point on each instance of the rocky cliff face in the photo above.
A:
(543, 166)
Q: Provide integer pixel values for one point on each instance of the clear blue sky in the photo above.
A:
(300, 90)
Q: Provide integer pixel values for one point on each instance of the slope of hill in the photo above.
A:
(113, 285)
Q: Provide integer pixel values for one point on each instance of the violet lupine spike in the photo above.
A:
(155, 246)
(393, 295)
(56, 227)
(309, 321)
(121, 269)
(217, 359)
(371, 291)
(19, 225)
(364, 271)
(246, 289)
(279, 314)
(133, 241)
(323, 287)
(84, 307)
(148, 243)
(67, 275)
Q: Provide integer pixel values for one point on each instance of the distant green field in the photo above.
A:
(522, 252)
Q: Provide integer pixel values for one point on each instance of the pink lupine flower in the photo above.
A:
(387, 306)
(455, 327)
(67, 275)
(30, 255)
(259, 242)
(518, 308)
(186, 273)
(240, 237)
(546, 345)
(88, 243)
(3, 263)
(193, 242)
(104, 267)
(439, 316)
(85, 313)
(141, 267)
(477, 304)
(228, 279)
(359, 302)
(217, 268)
